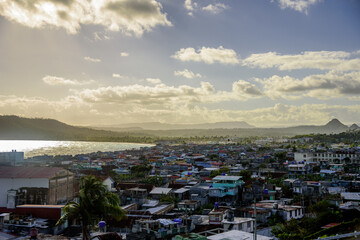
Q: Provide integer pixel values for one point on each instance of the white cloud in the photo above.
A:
(297, 5)
(242, 87)
(323, 86)
(124, 54)
(53, 81)
(187, 74)
(128, 16)
(324, 60)
(139, 94)
(94, 60)
(190, 6)
(207, 55)
(116, 75)
(215, 8)
(153, 80)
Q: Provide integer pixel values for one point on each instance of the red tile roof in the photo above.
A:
(29, 172)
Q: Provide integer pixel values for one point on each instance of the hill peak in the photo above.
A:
(354, 126)
(334, 123)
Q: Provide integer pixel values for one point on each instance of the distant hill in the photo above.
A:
(354, 127)
(167, 126)
(17, 128)
(332, 127)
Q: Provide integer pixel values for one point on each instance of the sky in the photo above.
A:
(106, 62)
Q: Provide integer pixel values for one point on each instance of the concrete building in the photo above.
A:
(35, 185)
(328, 157)
(296, 170)
(226, 188)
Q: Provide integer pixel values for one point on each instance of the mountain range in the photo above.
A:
(18, 128)
(167, 126)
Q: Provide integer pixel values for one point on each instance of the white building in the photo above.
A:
(329, 157)
(242, 224)
(287, 212)
(237, 235)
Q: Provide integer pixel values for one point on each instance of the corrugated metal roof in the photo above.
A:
(39, 206)
(160, 190)
(29, 172)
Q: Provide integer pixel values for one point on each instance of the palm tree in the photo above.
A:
(95, 203)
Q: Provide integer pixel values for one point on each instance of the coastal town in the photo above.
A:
(179, 119)
(264, 188)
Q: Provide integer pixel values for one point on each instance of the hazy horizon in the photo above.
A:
(268, 63)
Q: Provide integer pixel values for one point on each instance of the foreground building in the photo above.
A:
(35, 185)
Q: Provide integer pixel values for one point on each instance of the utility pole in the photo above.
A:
(255, 218)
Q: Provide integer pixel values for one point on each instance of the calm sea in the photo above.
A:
(35, 148)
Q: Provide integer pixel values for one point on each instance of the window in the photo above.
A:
(249, 224)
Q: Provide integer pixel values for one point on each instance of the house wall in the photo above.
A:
(108, 183)
(61, 188)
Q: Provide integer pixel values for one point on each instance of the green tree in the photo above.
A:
(95, 203)
(246, 175)
(154, 180)
(219, 172)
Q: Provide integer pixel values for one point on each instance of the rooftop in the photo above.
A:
(29, 172)
(231, 178)
(237, 235)
(160, 190)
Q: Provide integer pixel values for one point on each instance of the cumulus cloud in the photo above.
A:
(140, 94)
(324, 60)
(53, 81)
(94, 60)
(191, 6)
(131, 17)
(297, 5)
(153, 80)
(116, 75)
(165, 95)
(207, 55)
(323, 86)
(124, 54)
(242, 87)
(215, 8)
(187, 74)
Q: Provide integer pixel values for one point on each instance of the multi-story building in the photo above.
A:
(200, 192)
(328, 157)
(226, 188)
(296, 170)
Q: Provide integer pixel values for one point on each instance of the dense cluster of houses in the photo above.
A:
(208, 190)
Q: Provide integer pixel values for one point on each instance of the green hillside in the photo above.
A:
(18, 128)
